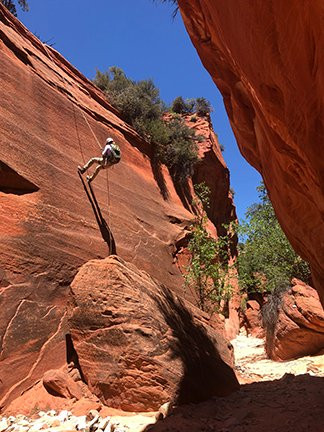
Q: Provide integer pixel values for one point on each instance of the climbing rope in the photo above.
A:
(78, 136)
(89, 125)
(77, 132)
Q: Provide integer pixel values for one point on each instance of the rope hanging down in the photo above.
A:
(77, 131)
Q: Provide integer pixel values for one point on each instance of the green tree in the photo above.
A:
(266, 258)
(208, 271)
(181, 106)
(11, 5)
(202, 107)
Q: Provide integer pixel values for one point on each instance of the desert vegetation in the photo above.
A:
(139, 102)
(266, 258)
(12, 5)
(266, 261)
(208, 272)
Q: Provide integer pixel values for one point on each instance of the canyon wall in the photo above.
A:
(266, 58)
(52, 119)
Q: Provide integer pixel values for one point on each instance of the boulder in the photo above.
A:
(299, 330)
(252, 320)
(267, 60)
(58, 382)
(138, 345)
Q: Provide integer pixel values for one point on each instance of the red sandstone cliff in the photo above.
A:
(266, 58)
(47, 224)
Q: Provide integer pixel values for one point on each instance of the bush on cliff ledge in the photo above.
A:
(201, 106)
(140, 105)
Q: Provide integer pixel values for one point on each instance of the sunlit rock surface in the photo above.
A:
(267, 59)
(52, 119)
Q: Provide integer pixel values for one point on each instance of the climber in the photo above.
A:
(110, 156)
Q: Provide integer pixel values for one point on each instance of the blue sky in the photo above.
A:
(141, 37)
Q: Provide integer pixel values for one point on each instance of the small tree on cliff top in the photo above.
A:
(174, 2)
(202, 106)
(208, 272)
(10, 5)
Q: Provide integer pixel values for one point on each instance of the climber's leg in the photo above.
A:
(88, 164)
(94, 175)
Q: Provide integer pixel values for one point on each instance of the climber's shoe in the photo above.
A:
(80, 169)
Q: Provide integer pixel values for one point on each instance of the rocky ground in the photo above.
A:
(252, 365)
(274, 396)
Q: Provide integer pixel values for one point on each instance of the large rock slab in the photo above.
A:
(300, 327)
(138, 345)
(267, 59)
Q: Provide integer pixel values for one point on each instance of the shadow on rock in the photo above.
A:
(205, 374)
(158, 177)
(183, 191)
(103, 226)
(291, 404)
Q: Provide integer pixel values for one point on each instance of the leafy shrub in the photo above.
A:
(266, 258)
(208, 272)
(137, 101)
(202, 107)
(199, 105)
(180, 106)
(180, 154)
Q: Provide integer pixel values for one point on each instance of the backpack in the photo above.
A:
(112, 154)
(115, 150)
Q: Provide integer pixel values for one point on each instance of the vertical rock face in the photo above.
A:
(52, 119)
(267, 59)
(212, 171)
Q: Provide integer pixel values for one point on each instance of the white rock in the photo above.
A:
(11, 419)
(81, 423)
(103, 423)
(93, 413)
(3, 424)
(92, 423)
(22, 423)
(36, 426)
(63, 416)
(108, 428)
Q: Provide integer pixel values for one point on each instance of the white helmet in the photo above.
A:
(109, 140)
